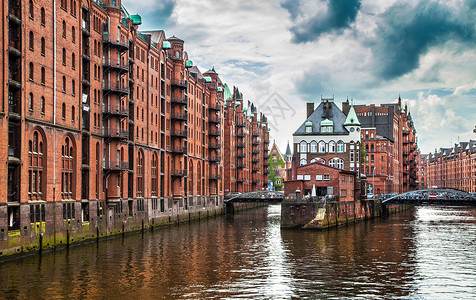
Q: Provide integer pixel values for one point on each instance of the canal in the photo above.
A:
(422, 253)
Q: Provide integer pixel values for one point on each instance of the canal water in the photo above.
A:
(423, 253)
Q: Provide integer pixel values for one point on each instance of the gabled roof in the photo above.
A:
(352, 118)
(227, 94)
(319, 115)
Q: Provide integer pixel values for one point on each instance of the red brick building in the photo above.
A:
(453, 167)
(389, 138)
(103, 123)
(325, 179)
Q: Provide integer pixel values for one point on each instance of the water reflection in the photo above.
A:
(422, 253)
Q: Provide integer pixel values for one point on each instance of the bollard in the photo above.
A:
(298, 196)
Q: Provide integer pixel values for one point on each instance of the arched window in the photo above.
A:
(30, 10)
(337, 163)
(64, 29)
(73, 61)
(64, 57)
(42, 50)
(73, 34)
(154, 175)
(43, 75)
(372, 148)
(67, 178)
(332, 162)
(303, 147)
(37, 161)
(332, 147)
(322, 147)
(63, 111)
(64, 84)
(31, 71)
(303, 162)
(30, 102)
(340, 147)
(140, 174)
(42, 16)
(73, 113)
(73, 87)
(42, 104)
(313, 147)
(32, 41)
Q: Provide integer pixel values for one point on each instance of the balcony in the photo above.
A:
(255, 151)
(180, 83)
(181, 100)
(116, 134)
(119, 42)
(178, 133)
(14, 47)
(214, 132)
(255, 143)
(214, 106)
(240, 145)
(110, 165)
(214, 158)
(240, 124)
(255, 160)
(255, 133)
(114, 109)
(118, 65)
(214, 146)
(255, 170)
(85, 54)
(178, 115)
(115, 87)
(14, 12)
(266, 164)
(214, 177)
(241, 165)
(178, 173)
(266, 142)
(241, 179)
(240, 155)
(179, 150)
(240, 135)
(214, 119)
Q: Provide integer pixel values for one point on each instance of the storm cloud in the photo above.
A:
(405, 33)
(340, 14)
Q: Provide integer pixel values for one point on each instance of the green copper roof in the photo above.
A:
(237, 103)
(263, 125)
(252, 115)
(245, 108)
(352, 118)
(228, 94)
(207, 79)
(269, 129)
(309, 123)
(327, 122)
(220, 89)
(136, 19)
(189, 64)
(166, 45)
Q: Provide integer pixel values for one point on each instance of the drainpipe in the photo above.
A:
(54, 120)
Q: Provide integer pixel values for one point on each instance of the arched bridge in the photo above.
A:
(256, 197)
(450, 197)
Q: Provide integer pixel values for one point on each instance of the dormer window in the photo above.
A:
(308, 127)
(327, 126)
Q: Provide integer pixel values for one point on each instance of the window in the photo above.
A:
(42, 16)
(67, 178)
(42, 105)
(73, 34)
(64, 4)
(64, 29)
(154, 175)
(73, 88)
(340, 147)
(140, 174)
(332, 162)
(303, 162)
(36, 175)
(30, 73)
(63, 111)
(64, 57)
(340, 163)
(332, 147)
(30, 102)
(322, 147)
(72, 113)
(327, 177)
(313, 147)
(32, 41)
(343, 193)
(342, 178)
(352, 157)
(73, 61)
(303, 147)
(42, 50)
(30, 10)
(64, 84)
(43, 75)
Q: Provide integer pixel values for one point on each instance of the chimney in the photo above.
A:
(310, 108)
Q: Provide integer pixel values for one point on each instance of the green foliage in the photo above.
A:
(363, 154)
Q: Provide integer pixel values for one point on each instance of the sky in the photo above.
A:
(284, 53)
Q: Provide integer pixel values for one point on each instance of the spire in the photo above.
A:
(352, 118)
(288, 150)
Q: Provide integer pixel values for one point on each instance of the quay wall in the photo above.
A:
(57, 233)
(321, 215)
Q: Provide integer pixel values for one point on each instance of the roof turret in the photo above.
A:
(352, 118)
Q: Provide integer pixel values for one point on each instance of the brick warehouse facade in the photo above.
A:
(389, 138)
(105, 126)
(453, 167)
